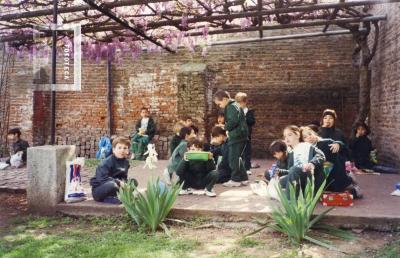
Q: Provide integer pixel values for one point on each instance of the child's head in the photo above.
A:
(291, 134)
(195, 145)
(187, 133)
(241, 99)
(218, 134)
(188, 121)
(144, 112)
(14, 134)
(328, 118)
(221, 98)
(308, 134)
(221, 118)
(361, 129)
(278, 149)
(121, 147)
(178, 126)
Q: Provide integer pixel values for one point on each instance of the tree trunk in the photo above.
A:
(364, 93)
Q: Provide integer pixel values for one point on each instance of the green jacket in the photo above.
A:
(235, 123)
(177, 156)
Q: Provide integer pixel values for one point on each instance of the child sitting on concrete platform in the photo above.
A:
(112, 173)
(278, 149)
(197, 174)
(145, 131)
(186, 134)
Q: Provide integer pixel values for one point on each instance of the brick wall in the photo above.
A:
(385, 87)
(288, 82)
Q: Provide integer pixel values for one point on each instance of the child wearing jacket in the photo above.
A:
(112, 173)
(145, 131)
(197, 174)
(235, 124)
(304, 162)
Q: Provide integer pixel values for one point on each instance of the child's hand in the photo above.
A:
(185, 157)
(309, 167)
(335, 147)
(121, 183)
(210, 155)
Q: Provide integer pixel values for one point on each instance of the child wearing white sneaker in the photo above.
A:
(197, 174)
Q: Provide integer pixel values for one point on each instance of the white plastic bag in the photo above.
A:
(16, 160)
(272, 188)
(3, 165)
(74, 191)
(259, 188)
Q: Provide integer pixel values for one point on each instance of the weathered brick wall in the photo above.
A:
(288, 82)
(385, 87)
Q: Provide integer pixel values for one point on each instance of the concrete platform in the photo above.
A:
(377, 210)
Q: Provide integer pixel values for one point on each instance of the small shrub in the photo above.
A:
(149, 209)
(294, 217)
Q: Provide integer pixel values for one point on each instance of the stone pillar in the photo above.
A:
(194, 93)
(46, 176)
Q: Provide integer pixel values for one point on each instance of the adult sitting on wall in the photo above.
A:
(145, 131)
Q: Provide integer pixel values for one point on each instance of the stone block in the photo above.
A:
(46, 176)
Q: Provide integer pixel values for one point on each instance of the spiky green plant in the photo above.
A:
(149, 209)
(294, 217)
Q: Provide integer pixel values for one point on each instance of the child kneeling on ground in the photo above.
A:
(112, 173)
(197, 174)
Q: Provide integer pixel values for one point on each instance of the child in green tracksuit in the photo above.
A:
(235, 124)
(186, 134)
(145, 131)
(197, 174)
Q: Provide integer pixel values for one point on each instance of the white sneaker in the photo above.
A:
(210, 193)
(248, 172)
(186, 191)
(231, 183)
(244, 183)
(167, 177)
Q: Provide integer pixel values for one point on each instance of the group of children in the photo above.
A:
(307, 152)
(229, 148)
(310, 152)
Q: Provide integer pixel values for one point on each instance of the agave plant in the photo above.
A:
(149, 209)
(294, 217)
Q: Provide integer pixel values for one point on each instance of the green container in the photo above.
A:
(197, 155)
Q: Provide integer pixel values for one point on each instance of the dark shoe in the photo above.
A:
(112, 200)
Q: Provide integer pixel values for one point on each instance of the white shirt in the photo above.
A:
(143, 123)
(301, 154)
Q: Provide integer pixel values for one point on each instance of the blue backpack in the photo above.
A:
(105, 148)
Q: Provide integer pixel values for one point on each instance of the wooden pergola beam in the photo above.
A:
(71, 9)
(106, 11)
(295, 25)
(282, 37)
(270, 12)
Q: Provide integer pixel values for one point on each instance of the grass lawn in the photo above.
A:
(117, 237)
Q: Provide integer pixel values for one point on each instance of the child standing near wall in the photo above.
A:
(235, 124)
(14, 137)
(197, 174)
(112, 173)
(145, 131)
(241, 99)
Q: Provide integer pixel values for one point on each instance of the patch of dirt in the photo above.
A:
(226, 238)
(12, 205)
